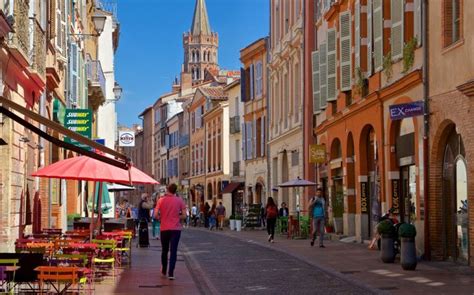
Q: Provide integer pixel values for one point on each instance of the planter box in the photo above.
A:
(232, 224)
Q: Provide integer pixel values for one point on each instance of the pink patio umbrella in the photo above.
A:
(89, 169)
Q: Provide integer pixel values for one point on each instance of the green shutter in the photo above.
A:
(316, 90)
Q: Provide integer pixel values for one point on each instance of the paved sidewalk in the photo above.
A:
(144, 276)
(361, 264)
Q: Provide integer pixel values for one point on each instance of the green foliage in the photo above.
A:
(409, 54)
(70, 217)
(385, 227)
(387, 66)
(407, 230)
(238, 217)
(232, 216)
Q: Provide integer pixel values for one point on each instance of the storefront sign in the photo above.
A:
(364, 205)
(317, 153)
(127, 138)
(406, 110)
(396, 196)
(79, 121)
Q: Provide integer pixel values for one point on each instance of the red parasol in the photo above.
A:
(85, 168)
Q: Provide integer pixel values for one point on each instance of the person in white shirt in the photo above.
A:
(194, 214)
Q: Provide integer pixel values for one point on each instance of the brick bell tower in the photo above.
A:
(200, 46)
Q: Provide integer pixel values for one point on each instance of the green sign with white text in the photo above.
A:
(79, 121)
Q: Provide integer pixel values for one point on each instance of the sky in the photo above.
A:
(150, 52)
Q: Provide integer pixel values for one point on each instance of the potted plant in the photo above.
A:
(232, 222)
(388, 233)
(238, 222)
(407, 234)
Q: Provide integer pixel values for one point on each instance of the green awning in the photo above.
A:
(106, 204)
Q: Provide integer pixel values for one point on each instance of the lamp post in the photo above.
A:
(117, 91)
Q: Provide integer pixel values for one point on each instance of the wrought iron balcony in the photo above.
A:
(236, 169)
(19, 40)
(234, 125)
(96, 82)
(37, 54)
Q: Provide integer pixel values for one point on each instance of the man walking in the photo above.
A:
(317, 208)
(220, 215)
(194, 214)
(172, 210)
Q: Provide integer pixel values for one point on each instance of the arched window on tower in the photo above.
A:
(197, 56)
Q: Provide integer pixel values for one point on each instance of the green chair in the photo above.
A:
(107, 254)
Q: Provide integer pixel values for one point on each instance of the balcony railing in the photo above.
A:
(234, 125)
(37, 51)
(236, 169)
(95, 74)
(21, 37)
(183, 140)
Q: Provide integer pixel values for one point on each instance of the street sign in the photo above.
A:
(406, 110)
(79, 121)
(317, 153)
(127, 138)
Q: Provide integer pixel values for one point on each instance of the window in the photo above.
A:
(259, 80)
(452, 21)
(259, 137)
(297, 93)
(237, 150)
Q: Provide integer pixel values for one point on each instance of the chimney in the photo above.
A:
(176, 85)
(186, 81)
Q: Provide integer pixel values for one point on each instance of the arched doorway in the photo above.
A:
(349, 198)
(258, 193)
(455, 213)
(337, 189)
(369, 182)
(284, 178)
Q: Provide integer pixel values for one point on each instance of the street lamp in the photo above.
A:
(99, 22)
(117, 91)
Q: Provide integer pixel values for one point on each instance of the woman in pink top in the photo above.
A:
(172, 210)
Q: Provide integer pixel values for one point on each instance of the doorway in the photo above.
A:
(408, 194)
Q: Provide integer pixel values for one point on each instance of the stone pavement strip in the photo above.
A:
(358, 263)
(144, 277)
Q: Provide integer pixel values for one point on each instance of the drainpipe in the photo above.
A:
(303, 117)
(426, 117)
(267, 133)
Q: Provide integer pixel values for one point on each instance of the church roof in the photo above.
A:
(214, 92)
(200, 25)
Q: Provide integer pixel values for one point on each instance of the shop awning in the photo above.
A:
(231, 187)
(7, 107)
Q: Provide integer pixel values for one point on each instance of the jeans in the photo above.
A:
(155, 227)
(271, 222)
(169, 239)
(318, 224)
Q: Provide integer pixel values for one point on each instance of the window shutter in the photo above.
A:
(396, 35)
(417, 24)
(323, 76)
(244, 141)
(357, 36)
(254, 139)
(316, 90)
(249, 140)
(243, 93)
(73, 66)
(262, 138)
(378, 34)
(331, 65)
(345, 45)
(53, 19)
(369, 38)
(252, 82)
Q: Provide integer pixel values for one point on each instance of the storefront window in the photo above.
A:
(461, 209)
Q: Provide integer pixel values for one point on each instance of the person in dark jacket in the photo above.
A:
(283, 212)
(144, 207)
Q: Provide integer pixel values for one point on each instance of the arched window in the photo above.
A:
(197, 56)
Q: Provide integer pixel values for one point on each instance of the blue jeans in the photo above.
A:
(169, 239)
(318, 225)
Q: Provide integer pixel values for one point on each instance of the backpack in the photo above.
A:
(272, 212)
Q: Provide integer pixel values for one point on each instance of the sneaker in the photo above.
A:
(272, 241)
(321, 246)
(269, 238)
(312, 243)
(171, 278)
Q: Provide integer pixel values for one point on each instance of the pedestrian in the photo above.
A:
(206, 214)
(144, 208)
(194, 214)
(317, 210)
(123, 209)
(212, 217)
(172, 211)
(188, 216)
(220, 215)
(263, 216)
(155, 220)
(283, 212)
(272, 214)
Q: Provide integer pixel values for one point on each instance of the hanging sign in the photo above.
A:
(396, 196)
(406, 110)
(79, 121)
(127, 138)
(317, 153)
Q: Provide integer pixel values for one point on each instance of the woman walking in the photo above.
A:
(272, 214)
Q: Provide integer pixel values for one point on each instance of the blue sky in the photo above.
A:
(150, 52)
